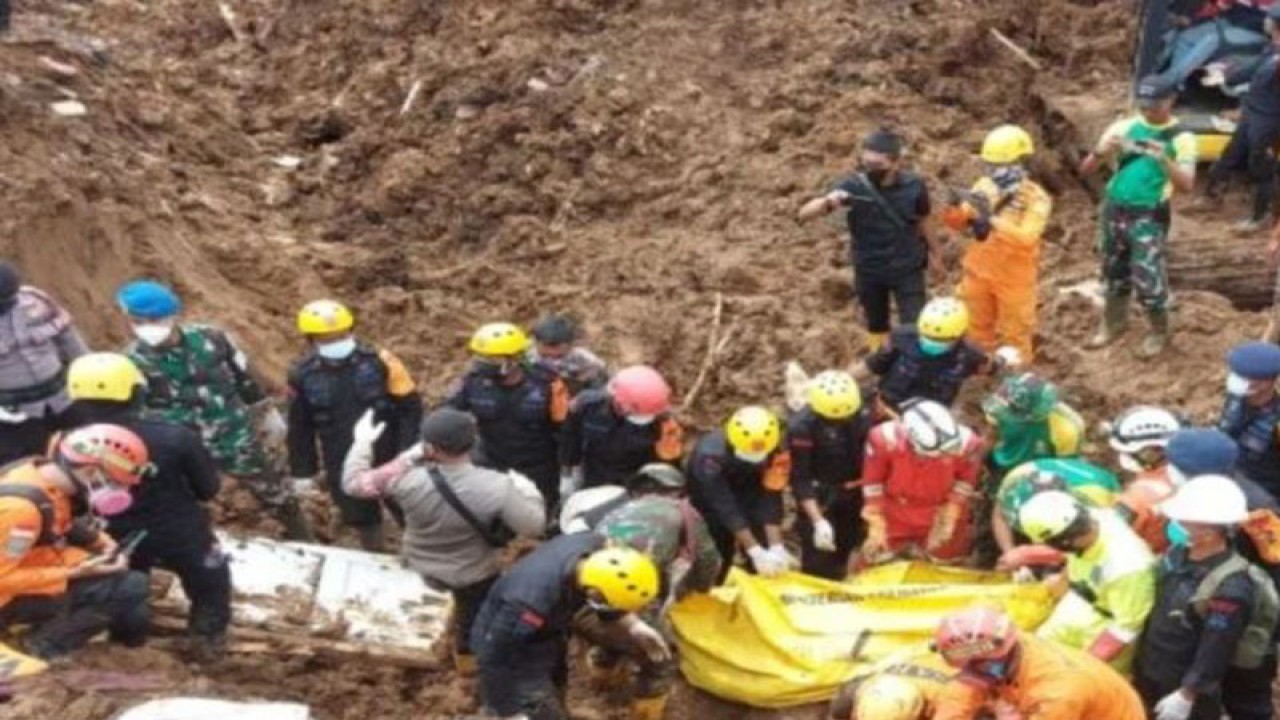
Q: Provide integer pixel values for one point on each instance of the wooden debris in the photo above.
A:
(233, 24)
(69, 108)
(61, 69)
(1016, 49)
(716, 344)
(411, 98)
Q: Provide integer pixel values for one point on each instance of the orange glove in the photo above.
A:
(944, 526)
(957, 217)
(1030, 556)
(876, 546)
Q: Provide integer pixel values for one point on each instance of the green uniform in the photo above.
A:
(1092, 485)
(1018, 441)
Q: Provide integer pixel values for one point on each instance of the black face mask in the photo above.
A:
(876, 175)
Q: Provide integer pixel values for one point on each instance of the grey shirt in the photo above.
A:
(37, 342)
(438, 543)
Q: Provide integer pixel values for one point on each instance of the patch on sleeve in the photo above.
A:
(19, 543)
(532, 619)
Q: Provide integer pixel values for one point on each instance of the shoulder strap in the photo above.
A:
(1209, 585)
(451, 497)
(43, 504)
(894, 216)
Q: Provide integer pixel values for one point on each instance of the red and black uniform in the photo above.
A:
(610, 449)
(826, 463)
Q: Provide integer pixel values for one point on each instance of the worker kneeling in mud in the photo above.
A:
(1029, 422)
(900, 689)
(1209, 647)
(521, 636)
(653, 518)
(1093, 486)
(1108, 587)
(919, 478)
(59, 574)
(1023, 676)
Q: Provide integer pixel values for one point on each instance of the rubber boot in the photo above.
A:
(648, 708)
(465, 664)
(1157, 338)
(1115, 319)
(371, 538)
(875, 341)
(297, 527)
(207, 649)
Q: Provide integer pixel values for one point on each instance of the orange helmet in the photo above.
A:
(974, 634)
(118, 452)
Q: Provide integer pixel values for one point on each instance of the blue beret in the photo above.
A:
(148, 300)
(1255, 360)
(1202, 451)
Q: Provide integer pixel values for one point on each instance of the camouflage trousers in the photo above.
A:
(241, 454)
(1132, 243)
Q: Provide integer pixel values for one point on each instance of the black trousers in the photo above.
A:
(1252, 148)
(466, 606)
(205, 578)
(1246, 694)
(521, 672)
(874, 295)
(4, 15)
(844, 512)
(65, 623)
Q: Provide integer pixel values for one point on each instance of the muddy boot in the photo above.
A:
(371, 538)
(297, 526)
(207, 649)
(1115, 318)
(1157, 338)
(648, 708)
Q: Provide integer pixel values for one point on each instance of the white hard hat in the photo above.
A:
(1208, 499)
(1142, 427)
(583, 502)
(931, 428)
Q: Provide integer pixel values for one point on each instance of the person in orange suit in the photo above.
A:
(1022, 676)
(59, 573)
(1005, 213)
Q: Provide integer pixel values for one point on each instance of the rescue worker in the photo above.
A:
(556, 349)
(59, 574)
(1024, 676)
(518, 406)
(1005, 214)
(166, 505)
(736, 477)
(521, 635)
(1092, 485)
(1108, 587)
(898, 689)
(887, 209)
(1253, 144)
(612, 433)
(920, 475)
(1153, 155)
(932, 359)
(197, 376)
(440, 543)
(1029, 422)
(1138, 437)
(654, 519)
(826, 440)
(1208, 647)
(37, 342)
(331, 386)
(1251, 412)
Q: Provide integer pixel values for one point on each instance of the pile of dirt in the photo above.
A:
(438, 165)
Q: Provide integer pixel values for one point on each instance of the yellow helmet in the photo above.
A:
(624, 578)
(103, 376)
(753, 430)
(944, 318)
(1007, 144)
(500, 339)
(325, 316)
(889, 697)
(834, 395)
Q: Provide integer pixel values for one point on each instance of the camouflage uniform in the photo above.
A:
(203, 382)
(1132, 245)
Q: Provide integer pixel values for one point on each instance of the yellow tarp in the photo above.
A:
(791, 640)
(15, 664)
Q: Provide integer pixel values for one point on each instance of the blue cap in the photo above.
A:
(1255, 360)
(148, 300)
(1202, 451)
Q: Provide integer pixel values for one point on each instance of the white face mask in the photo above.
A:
(153, 333)
(753, 458)
(1175, 475)
(1129, 463)
(337, 350)
(641, 419)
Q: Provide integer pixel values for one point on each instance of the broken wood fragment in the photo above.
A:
(1016, 49)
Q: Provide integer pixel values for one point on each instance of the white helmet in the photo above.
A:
(582, 509)
(1142, 427)
(1208, 499)
(931, 428)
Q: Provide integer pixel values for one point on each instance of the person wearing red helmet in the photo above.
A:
(1023, 676)
(59, 574)
(611, 433)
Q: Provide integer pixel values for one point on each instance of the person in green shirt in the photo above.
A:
(1030, 422)
(1152, 156)
(1092, 485)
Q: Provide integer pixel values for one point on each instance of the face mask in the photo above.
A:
(748, 457)
(1176, 534)
(641, 419)
(994, 669)
(337, 350)
(877, 175)
(1006, 177)
(934, 348)
(105, 497)
(1175, 475)
(1129, 463)
(153, 333)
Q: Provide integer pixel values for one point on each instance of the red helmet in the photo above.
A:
(976, 633)
(117, 452)
(640, 390)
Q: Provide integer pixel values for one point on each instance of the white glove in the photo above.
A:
(1024, 575)
(12, 417)
(1174, 706)
(765, 562)
(414, 454)
(274, 427)
(650, 641)
(783, 558)
(1237, 385)
(303, 486)
(367, 431)
(524, 486)
(824, 536)
(570, 482)
(1008, 356)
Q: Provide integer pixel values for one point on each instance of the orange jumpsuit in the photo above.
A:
(28, 566)
(1050, 682)
(999, 281)
(1140, 502)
